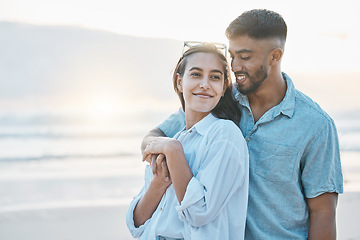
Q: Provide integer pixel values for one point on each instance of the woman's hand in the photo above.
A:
(176, 162)
(161, 173)
(152, 197)
(158, 145)
(154, 154)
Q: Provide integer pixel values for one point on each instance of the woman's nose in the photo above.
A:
(204, 83)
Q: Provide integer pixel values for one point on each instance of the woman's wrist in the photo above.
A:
(173, 147)
(159, 185)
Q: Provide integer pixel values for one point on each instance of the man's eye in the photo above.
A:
(245, 58)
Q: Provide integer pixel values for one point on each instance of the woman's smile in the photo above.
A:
(203, 95)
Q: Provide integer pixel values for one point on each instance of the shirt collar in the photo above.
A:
(286, 106)
(202, 126)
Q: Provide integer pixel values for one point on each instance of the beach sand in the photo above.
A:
(348, 216)
(90, 223)
(72, 200)
(108, 222)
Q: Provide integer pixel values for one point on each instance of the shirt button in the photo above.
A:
(248, 139)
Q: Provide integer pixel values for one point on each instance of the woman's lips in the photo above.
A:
(203, 95)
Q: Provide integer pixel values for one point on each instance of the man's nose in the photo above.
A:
(236, 65)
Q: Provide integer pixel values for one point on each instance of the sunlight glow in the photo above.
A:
(103, 108)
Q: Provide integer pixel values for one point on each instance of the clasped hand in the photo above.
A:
(154, 153)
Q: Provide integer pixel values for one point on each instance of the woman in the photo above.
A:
(206, 195)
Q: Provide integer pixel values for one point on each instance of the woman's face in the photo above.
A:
(202, 84)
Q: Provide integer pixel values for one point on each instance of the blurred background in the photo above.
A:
(81, 82)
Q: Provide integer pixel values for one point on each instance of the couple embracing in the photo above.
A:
(256, 159)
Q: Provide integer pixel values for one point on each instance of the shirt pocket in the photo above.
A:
(276, 162)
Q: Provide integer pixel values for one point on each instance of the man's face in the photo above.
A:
(249, 62)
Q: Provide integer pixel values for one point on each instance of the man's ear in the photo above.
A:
(276, 55)
(179, 82)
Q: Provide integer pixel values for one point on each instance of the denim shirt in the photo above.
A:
(293, 155)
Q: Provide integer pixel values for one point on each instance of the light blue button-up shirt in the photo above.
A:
(215, 201)
(294, 155)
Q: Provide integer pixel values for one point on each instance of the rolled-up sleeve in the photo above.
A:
(136, 232)
(322, 167)
(194, 195)
(222, 172)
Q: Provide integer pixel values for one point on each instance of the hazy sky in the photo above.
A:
(323, 35)
(323, 28)
(205, 19)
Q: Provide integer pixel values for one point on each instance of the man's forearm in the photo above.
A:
(322, 226)
(150, 136)
(322, 211)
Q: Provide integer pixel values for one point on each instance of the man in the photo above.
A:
(295, 170)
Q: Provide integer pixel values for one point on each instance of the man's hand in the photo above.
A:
(159, 166)
(160, 171)
(150, 136)
(155, 153)
(154, 133)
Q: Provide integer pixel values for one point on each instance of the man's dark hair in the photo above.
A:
(258, 24)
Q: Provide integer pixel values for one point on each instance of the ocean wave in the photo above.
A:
(70, 156)
(68, 136)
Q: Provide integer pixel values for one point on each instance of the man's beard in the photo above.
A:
(255, 81)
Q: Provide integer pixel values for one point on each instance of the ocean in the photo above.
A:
(50, 161)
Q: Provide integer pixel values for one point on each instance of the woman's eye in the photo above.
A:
(194, 74)
(215, 77)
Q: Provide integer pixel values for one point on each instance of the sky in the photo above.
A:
(203, 20)
(323, 35)
(325, 28)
